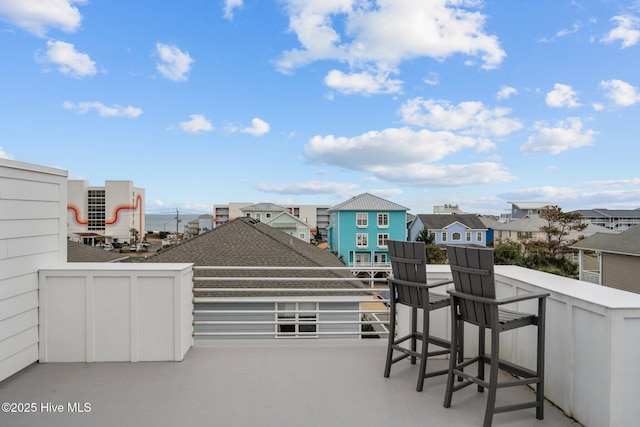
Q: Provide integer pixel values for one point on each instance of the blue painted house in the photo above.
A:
(464, 229)
(360, 227)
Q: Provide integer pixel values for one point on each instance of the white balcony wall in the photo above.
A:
(33, 204)
(592, 342)
(96, 312)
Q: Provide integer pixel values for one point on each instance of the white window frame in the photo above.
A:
(382, 240)
(362, 258)
(362, 240)
(362, 219)
(468, 236)
(383, 220)
(479, 236)
(454, 235)
(296, 319)
(444, 236)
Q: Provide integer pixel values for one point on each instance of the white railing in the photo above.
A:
(592, 343)
(591, 276)
(256, 311)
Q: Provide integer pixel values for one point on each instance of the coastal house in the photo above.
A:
(360, 227)
(452, 229)
(521, 209)
(529, 228)
(617, 259)
(614, 219)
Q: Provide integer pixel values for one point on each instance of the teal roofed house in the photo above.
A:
(360, 227)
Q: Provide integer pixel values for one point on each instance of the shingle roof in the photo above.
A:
(260, 207)
(439, 222)
(627, 243)
(368, 202)
(530, 205)
(78, 252)
(247, 242)
(609, 213)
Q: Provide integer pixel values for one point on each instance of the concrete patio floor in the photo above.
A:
(254, 383)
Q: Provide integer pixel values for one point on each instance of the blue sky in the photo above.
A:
(423, 102)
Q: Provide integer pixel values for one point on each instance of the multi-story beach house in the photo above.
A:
(360, 227)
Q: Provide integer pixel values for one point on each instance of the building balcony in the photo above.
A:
(125, 313)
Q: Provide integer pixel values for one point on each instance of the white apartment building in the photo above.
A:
(108, 212)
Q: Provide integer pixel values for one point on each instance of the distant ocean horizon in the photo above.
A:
(164, 222)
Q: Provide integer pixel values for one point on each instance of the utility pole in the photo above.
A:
(178, 220)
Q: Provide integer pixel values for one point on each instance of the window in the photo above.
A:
(362, 240)
(383, 220)
(296, 319)
(380, 258)
(479, 236)
(362, 220)
(362, 258)
(456, 236)
(468, 236)
(382, 240)
(444, 236)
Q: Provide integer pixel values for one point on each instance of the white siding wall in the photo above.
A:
(33, 204)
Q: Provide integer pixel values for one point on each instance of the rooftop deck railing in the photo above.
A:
(291, 305)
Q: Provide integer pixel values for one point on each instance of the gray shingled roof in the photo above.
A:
(439, 222)
(627, 243)
(247, 242)
(368, 202)
(78, 252)
(609, 213)
(262, 207)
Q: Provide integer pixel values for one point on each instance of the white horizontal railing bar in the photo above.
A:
(290, 311)
(309, 290)
(286, 279)
(252, 267)
(285, 321)
(286, 335)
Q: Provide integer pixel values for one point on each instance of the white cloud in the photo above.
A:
(574, 29)
(432, 79)
(378, 38)
(103, 110)
(310, 187)
(620, 92)
(562, 96)
(258, 127)
(197, 124)
(567, 134)
(506, 92)
(363, 83)
(229, 6)
(627, 31)
(37, 16)
(175, 64)
(471, 117)
(5, 155)
(422, 175)
(68, 60)
(405, 156)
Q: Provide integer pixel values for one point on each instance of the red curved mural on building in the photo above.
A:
(115, 213)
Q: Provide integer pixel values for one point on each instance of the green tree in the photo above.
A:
(426, 236)
(507, 253)
(134, 236)
(435, 255)
(556, 231)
